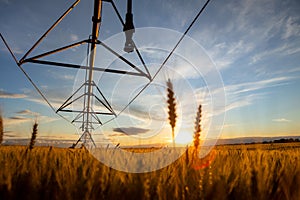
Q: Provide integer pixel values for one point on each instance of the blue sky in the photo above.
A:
(254, 45)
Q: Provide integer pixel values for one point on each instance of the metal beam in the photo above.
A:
(67, 65)
(91, 112)
(123, 59)
(55, 51)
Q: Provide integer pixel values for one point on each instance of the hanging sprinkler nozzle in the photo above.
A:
(129, 28)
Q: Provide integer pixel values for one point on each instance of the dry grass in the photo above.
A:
(237, 172)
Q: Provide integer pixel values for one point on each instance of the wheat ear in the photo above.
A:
(197, 128)
(33, 135)
(1, 129)
(172, 108)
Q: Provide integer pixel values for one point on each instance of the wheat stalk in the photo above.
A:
(1, 129)
(197, 128)
(33, 135)
(172, 108)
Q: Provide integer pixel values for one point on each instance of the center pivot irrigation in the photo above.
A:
(88, 116)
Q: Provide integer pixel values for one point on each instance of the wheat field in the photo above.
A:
(264, 171)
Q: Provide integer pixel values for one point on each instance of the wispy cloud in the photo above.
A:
(67, 77)
(283, 50)
(8, 95)
(130, 130)
(245, 87)
(28, 116)
(235, 34)
(16, 120)
(247, 93)
(27, 112)
(292, 27)
(14, 49)
(281, 120)
(73, 37)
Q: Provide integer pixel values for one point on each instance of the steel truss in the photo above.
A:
(87, 117)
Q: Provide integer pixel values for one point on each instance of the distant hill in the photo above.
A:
(40, 142)
(249, 140)
(241, 140)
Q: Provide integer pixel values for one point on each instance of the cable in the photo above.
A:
(117, 12)
(167, 58)
(30, 80)
(183, 35)
(163, 63)
(137, 50)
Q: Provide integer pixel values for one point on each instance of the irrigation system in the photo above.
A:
(87, 116)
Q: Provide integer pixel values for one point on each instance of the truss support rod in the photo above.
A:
(55, 51)
(84, 135)
(116, 10)
(76, 121)
(46, 33)
(91, 112)
(123, 59)
(95, 33)
(67, 65)
(63, 105)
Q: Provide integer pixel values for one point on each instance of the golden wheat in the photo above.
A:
(237, 171)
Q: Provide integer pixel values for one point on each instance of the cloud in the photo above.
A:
(8, 95)
(73, 37)
(281, 120)
(130, 130)
(284, 49)
(16, 120)
(235, 36)
(55, 96)
(27, 112)
(245, 94)
(27, 116)
(67, 77)
(10, 134)
(238, 104)
(14, 49)
(292, 28)
(245, 87)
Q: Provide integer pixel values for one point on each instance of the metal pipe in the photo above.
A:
(129, 6)
(129, 28)
(95, 33)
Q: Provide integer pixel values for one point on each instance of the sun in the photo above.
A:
(184, 138)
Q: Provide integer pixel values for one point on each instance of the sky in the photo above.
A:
(240, 61)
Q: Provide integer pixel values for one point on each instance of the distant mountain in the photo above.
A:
(248, 140)
(68, 143)
(43, 142)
